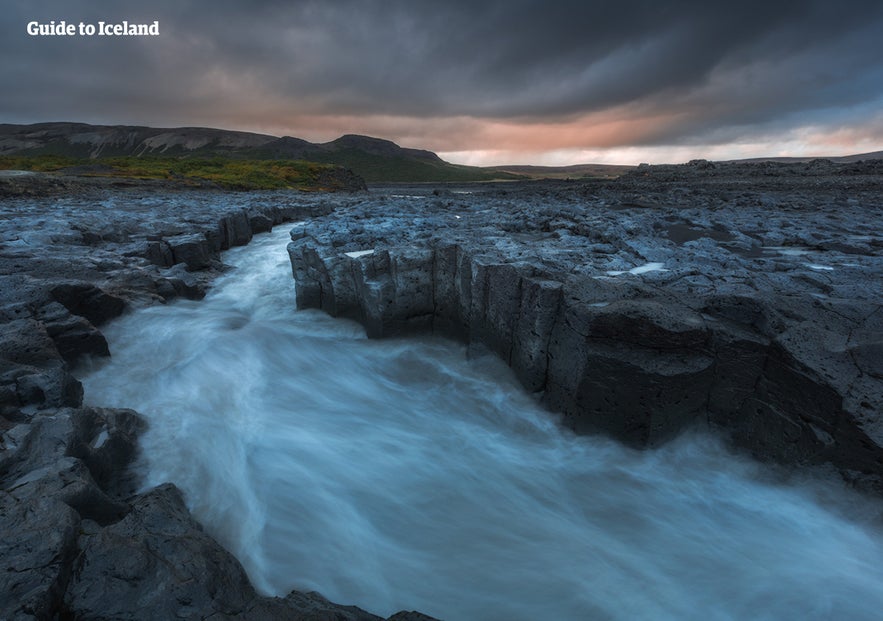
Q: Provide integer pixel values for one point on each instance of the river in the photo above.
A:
(400, 474)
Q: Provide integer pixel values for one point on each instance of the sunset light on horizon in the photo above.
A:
(482, 84)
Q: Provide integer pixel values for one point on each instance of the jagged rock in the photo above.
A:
(235, 230)
(746, 329)
(298, 606)
(539, 311)
(74, 336)
(102, 440)
(185, 283)
(51, 302)
(260, 223)
(159, 253)
(395, 292)
(32, 371)
(37, 548)
(25, 341)
(194, 250)
(156, 563)
(69, 480)
(24, 386)
(107, 442)
(60, 468)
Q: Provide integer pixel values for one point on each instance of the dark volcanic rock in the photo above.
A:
(674, 297)
(194, 250)
(74, 455)
(156, 563)
(89, 301)
(73, 336)
(236, 230)
(636, 308)
(32, 370)
(298, 606)
(158, 252)
(60, 468)
(38, 546)
(411, 615)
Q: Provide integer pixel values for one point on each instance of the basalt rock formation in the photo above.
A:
(79, 541)
(742, 297)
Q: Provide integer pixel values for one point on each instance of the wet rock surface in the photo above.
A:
(745, 297)
(157, 563)
(79, 541)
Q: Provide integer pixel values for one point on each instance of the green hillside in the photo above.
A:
(374, 159)
(229, 173)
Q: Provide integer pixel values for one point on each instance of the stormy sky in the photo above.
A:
(479, 82)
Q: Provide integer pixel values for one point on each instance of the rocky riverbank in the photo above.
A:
(79, 541)
(744, 297)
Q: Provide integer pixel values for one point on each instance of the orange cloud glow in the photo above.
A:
(617, 136)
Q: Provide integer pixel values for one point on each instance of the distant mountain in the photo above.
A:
(844, 159)
(576, 171)
(93, 141)
(373, 159)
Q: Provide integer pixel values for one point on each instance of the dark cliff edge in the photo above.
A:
(737, 332)
(78, 540)
(640, 369)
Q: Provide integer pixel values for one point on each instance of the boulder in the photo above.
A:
(89, 301)
(194, 250)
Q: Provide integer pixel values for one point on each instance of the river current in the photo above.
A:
(400, 474)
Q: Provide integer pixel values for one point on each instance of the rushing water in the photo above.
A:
(399, 475)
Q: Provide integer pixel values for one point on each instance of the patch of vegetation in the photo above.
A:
(37, 163)
(235, 174)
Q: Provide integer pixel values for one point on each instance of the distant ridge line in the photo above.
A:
(374, 159)
(837, 159)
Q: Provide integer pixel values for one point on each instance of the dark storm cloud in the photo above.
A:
(706, 66)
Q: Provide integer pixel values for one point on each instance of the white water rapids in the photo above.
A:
(399, 475)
